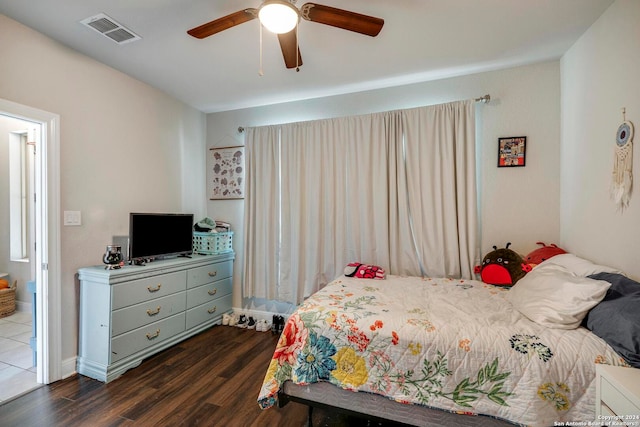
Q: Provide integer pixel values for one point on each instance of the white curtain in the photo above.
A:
(262, 212)
(394, 189)
(334, 206)
(440, 191)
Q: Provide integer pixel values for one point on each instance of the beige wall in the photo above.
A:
(124, 146)
(518, 205)
(600, 76)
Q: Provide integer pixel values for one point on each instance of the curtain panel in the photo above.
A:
(440, 162)
(396, 189)
(262, 213)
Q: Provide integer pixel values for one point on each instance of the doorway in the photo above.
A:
(44, 246)
(18, 141)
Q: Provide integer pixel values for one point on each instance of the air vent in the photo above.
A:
(108, 27)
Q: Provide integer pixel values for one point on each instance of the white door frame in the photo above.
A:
(47, 259)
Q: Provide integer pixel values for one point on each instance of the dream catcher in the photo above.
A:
(622, 179)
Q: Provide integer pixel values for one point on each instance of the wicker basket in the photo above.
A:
(8, 301)
(212, 243)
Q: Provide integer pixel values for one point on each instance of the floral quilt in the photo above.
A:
(457, 345)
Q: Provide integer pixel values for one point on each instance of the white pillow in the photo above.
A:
(552, 296)
(578, 266)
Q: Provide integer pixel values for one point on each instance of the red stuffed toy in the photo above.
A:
(364, 271)
(543, 253)
(502, 267)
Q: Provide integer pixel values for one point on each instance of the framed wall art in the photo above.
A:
(226, 173)
(512, 151)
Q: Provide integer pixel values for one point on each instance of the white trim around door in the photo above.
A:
(48, 300)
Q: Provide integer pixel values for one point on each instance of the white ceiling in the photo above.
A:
(421, 40)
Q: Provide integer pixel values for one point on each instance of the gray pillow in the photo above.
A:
(616, 319)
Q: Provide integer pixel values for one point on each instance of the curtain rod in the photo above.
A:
(484, 99)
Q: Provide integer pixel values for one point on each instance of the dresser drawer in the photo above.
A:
(135, 316)
(141, 338)
(136, 291)
(208, 311)
(616, 400)
(209, 292)
(201, 275)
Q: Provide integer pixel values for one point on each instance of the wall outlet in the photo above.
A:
(72, 218)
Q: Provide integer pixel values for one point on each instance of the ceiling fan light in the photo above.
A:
(278, 16)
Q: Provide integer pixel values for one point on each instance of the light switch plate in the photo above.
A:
(72, 218)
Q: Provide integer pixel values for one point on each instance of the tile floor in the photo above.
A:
(17, 373)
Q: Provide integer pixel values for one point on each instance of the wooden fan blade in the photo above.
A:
(340, 18)
(224, 23)
(289, 45)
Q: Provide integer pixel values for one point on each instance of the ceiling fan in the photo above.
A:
(282, 17)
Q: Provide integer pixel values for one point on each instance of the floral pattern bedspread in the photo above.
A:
(457, 345)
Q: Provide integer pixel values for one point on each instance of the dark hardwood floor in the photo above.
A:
(212, 379)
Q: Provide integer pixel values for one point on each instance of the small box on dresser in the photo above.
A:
(129, 314)
(617, 395)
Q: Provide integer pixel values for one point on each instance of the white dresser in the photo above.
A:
(129, 314)
(617, 395)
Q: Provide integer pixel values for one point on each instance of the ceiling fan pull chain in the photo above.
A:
(297, 49)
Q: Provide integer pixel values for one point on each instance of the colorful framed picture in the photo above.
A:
(226, 173)
(512, 151)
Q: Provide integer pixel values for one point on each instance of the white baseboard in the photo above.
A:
(23, 306)
(68, 367)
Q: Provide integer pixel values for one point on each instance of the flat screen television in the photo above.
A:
(159, 235)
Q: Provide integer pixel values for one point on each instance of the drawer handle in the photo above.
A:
(153, 336)
(213, 273)
(153, 312)
(156, 289)
(213, 292)
(212, 310)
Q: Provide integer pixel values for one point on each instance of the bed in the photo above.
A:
(437, 351)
